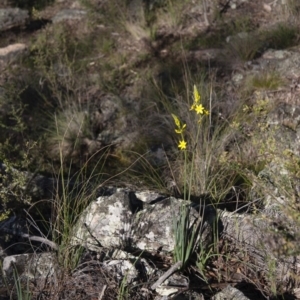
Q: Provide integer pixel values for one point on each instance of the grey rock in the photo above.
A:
(266, 237)
(123, 221)
(12, 17)
(230, 293)
(69, 14)
(29, 265)
(285, 62)
(149, 196)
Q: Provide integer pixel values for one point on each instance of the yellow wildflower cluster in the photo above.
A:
(198, 108)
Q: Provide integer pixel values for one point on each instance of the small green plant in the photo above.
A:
(21, 293)
(186, 235)
(202, 258)
(186, 232)
(123, 292)
(207, 169)
(15, 192)
(182, 145)
(74, 192)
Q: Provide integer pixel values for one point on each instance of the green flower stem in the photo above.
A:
(192, 167)
(185, 173)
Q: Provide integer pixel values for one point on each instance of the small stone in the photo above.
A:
(267, 7)
(230, 293)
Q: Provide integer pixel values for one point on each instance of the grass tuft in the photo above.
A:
(282, 36)
(263, 81)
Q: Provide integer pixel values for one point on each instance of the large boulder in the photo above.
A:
(12, 17)
(125, 221)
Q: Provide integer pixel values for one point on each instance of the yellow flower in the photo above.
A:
(182, 145)
(199, 109)
(196, 95)
(196, 106)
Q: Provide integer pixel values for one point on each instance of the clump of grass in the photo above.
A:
(263, 81)
(267, 81)
(186, 234)
(282, 36)
(217, 36)
(74, 193)
(138, 31)
(72, 134)
(245, 46)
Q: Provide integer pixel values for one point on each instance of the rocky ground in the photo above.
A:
(91, 177)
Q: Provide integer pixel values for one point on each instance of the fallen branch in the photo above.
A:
(166, 275)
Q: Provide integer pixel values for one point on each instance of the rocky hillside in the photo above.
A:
(149, 149)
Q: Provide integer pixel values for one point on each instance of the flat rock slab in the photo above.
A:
(12, 17)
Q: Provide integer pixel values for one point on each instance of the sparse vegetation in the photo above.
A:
(95, 102)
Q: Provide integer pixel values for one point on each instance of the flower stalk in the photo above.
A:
(182, 143)
(186, 232)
